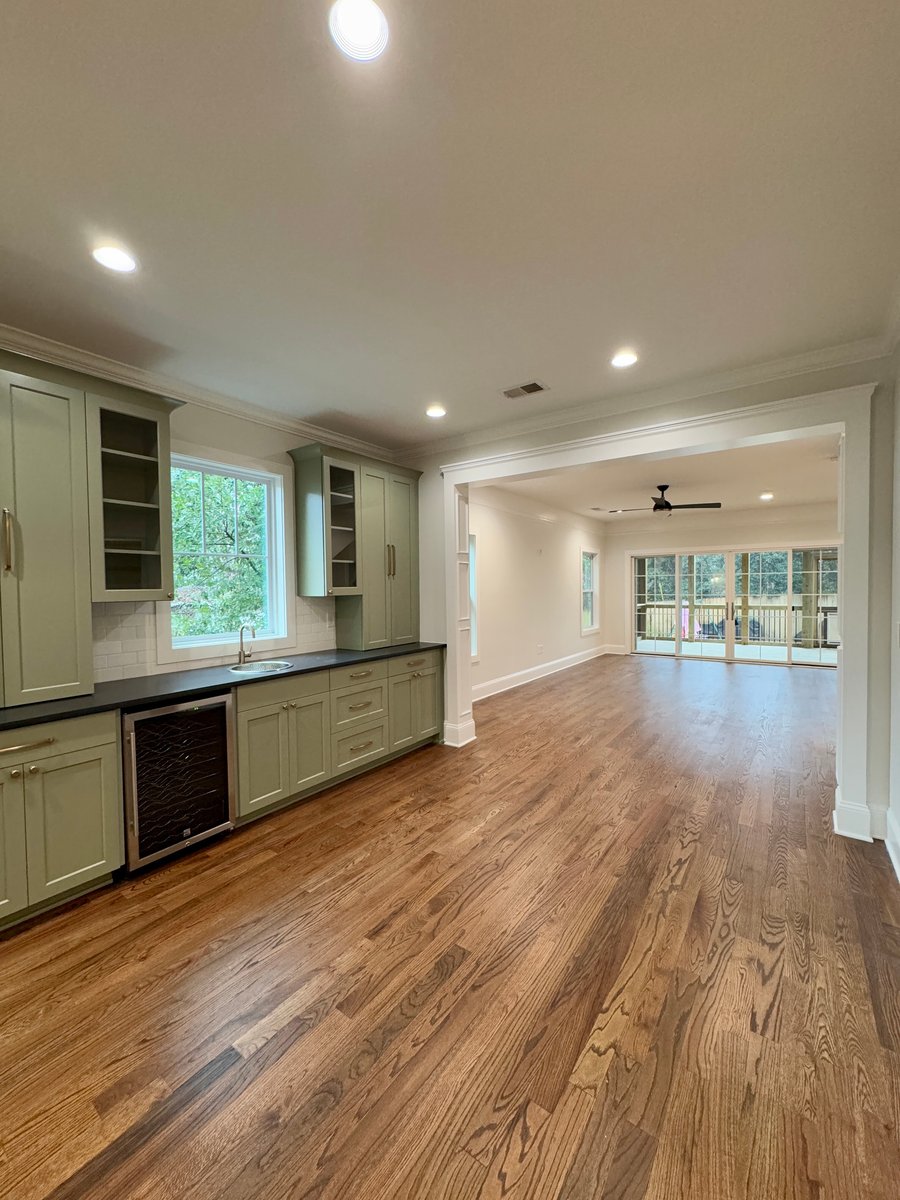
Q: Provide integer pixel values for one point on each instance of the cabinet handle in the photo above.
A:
(293, 704)
(360, 674)
(387, 551)
(356, 707)
(393, 560)
(33, 770)
(15, 773)
(7, 540)
(28, 746)
(362, 746)
(415, 662)
(284, 706)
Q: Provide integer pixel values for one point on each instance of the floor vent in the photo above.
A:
(525, 389)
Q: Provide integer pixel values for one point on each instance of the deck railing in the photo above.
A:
(766, 623)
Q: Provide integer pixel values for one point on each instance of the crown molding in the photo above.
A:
(866, 350)
(33, 345)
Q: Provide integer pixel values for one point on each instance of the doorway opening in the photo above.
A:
(763, 606)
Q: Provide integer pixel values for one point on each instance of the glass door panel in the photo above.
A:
(704, 606)
(761, 609)
(654, 604)
(814, 606)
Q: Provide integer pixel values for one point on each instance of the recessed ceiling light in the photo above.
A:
(114, 258)
(435, 410)
(767, 495)
(359, 28)
(624, 358)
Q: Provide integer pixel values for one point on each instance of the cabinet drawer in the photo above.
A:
(425, 660)
(358, 705)
(357, 746)
(364, 672)
(30, 743)
(281, 690)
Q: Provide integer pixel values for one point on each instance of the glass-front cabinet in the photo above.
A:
(328, 523)
(130, 501)
(342, 527)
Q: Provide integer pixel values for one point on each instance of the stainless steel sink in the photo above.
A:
(263, 667)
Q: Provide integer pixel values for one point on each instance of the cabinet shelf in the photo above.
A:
(149, 458)
(149, 553)
(130, 503)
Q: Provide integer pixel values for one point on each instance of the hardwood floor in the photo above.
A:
(610, 950)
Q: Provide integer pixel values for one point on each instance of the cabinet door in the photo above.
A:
(310, 742)
(264, 763)
(73, 820)
(342, 527)
(376, 584)
(130, 492)
(403, 711)
(13, 877)
(45, 591)
(403, 536)
(427, 703)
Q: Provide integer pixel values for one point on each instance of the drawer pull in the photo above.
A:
(357, 707)
(28, 746)
(360, 674)
(33, 770)
(8, 539)
(15, 773)
(362, 746)
(415, 662)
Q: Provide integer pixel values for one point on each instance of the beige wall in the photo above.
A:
(757, 529)
(893, 838)
(528, 588)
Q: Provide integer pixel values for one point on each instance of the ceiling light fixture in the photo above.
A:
(766, 496)
(623, 358)
(114, 258)
(359, 28)
(435, 411)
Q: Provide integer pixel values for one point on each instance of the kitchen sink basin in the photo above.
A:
(263, 667)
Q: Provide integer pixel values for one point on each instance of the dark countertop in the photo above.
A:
(173, 686)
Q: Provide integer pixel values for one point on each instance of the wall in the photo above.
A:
(125, 633)
(528, 589)
(777, 527)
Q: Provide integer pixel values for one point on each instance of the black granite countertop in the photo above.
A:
(173, 686)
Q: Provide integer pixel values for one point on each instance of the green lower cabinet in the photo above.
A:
(309, 742)
(264, 761)
(415, 706)
(73, 820)
(13, 875)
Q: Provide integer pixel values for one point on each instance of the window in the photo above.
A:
(473, 596)
(590, 619)
(229, 540)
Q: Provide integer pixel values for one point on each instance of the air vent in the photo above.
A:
(525, 389)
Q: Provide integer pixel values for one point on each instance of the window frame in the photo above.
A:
(594, 591)
(281, 562)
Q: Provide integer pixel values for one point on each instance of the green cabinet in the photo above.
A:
(72, 820)
(60, 809)
(415, 707)
(45, 597)
(129, 484)
(13, 873)
(327, 507)
(284, 740)
(358, 540)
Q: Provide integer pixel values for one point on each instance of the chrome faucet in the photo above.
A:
(244, 655)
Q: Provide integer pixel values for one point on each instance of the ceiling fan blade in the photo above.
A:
(613, 511)
(717, 504)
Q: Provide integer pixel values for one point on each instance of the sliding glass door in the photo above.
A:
(768, 606)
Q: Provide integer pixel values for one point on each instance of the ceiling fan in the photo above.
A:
(661, 504)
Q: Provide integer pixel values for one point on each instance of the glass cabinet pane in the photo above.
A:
(342, 485)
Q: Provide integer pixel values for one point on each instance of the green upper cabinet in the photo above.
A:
(364, 553)
(129, 481)
(326, 489)
(45, 597)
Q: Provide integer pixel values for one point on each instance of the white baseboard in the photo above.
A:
(614, 650)
(892, 841)
(504, 683)
(459, 735)
(852, 820)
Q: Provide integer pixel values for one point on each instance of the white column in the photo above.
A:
(459, 724)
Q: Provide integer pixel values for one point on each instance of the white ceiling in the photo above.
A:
(513, 191)
(801, 471)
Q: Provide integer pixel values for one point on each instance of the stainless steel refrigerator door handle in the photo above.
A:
(7, 540)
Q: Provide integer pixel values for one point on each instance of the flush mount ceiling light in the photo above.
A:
(623, 358)
(359, 28)
(766, 496)
(114, 258)
(435, 411)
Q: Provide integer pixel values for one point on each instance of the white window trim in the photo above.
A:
(594, 629)
(284, 565)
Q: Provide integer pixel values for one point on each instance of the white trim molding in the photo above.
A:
(892, 841)
(852, 820)
(459, 735)
(505, 683)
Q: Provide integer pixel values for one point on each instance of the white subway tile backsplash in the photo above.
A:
(125, 638)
